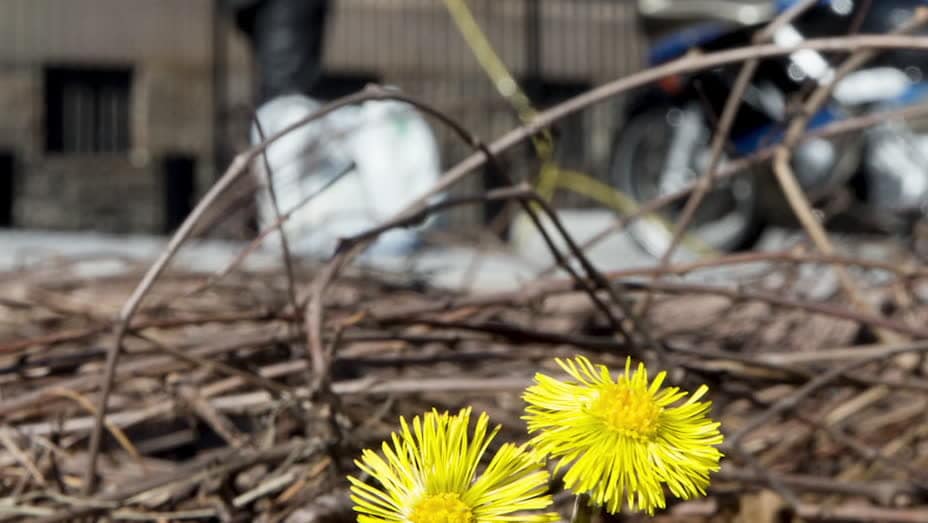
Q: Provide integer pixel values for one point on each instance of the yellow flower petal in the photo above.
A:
(623, 439)
(428, 474)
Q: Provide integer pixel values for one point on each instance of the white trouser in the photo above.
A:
(383, 154)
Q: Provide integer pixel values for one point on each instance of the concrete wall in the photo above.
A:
(100, 192)
(20, 107)
(409, 43)
(116, 31)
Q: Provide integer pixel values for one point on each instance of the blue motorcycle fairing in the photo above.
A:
(677, 44)
(913, 94)
(783, 5)
(773, 134)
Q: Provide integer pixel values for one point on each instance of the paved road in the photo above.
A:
(444, 267)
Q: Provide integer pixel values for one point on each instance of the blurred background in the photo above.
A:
(119, 114)
(247, 380)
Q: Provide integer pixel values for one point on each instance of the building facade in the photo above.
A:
(118, 114)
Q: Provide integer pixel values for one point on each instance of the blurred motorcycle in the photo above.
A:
(664, 144)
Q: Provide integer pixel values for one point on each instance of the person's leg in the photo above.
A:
(287, 36)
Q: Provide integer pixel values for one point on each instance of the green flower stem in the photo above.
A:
(583, 511)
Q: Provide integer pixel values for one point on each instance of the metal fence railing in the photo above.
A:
(554, 48)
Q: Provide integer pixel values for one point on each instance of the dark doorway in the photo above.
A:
(570, 134)
(332, 86)
(7, 186)
(179, 175)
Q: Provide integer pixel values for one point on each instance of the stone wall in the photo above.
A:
(104, 193)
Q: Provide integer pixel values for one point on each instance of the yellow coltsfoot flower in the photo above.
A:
(623, 438)
(428, 474)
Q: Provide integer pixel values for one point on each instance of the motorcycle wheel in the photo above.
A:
(728, 218)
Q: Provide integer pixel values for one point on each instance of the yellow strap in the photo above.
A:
(507, 86)
(551, 176)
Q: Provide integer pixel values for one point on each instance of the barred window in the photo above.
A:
(87, 109)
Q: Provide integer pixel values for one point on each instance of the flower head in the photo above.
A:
(428, 474)
(623, 438)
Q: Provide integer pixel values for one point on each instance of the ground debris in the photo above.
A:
(215, 412)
